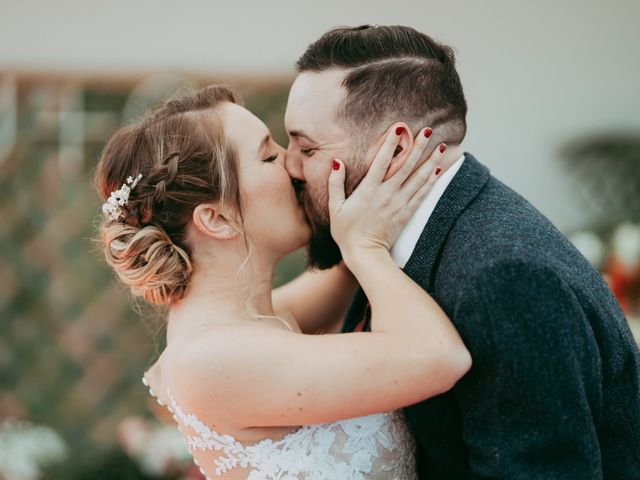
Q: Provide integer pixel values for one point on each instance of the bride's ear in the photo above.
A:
(402, 150)
(208, 220)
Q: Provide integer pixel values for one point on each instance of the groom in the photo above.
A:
(554, 391)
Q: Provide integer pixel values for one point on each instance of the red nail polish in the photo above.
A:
(428, 132)
(437, 172)
(336, 165)
(443, 147)
(399, 131)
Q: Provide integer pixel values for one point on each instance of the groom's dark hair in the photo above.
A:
(393, 73)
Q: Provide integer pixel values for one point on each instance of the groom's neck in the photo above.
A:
(451, 156)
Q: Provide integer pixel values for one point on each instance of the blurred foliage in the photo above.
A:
(109, 464)
(73, 345)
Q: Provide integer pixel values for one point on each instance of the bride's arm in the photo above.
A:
(262, 376)
(318, 299)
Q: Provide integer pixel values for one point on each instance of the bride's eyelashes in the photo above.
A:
(270, 159)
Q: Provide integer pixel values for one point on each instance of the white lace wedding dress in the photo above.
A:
(378, 447)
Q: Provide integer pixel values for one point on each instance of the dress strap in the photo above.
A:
(286, 323)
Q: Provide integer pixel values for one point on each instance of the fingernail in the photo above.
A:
(437, 172)
(443, 147)
(428, 132)
(336, 165)
(399, 131)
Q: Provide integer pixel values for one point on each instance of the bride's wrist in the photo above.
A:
(363, 258)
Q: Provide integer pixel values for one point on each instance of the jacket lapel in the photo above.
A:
(465, 186)
(355, 312)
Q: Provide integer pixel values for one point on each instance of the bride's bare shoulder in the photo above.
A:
(214, 349)
(206, 369)
(222, 332)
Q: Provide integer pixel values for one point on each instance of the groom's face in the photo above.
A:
(315, 139)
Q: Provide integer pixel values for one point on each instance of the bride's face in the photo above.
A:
(273, 220)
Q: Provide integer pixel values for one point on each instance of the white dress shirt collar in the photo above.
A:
(403, 248)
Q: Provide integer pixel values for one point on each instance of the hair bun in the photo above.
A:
(147, 261)
(182, 152)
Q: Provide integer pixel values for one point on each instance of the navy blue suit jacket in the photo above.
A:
(554, 390)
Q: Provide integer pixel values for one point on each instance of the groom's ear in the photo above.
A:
(402, 150)
(209, 221)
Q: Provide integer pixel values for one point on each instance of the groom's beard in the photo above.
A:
(322, 250)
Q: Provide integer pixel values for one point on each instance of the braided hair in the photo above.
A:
(180, 150)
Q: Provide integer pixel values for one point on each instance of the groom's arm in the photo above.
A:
(529, 401)
(318, 299)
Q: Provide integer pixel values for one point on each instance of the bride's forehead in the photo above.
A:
(241, 126)
(233, 114)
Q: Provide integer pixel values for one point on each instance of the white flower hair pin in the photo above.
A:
(111, 208)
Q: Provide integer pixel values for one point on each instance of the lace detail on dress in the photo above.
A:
(376, 446)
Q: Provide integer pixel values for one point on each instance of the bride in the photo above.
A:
(198, 209)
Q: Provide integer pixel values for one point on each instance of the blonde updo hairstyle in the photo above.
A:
(180, 150)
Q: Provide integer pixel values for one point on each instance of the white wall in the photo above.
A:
(536, 74)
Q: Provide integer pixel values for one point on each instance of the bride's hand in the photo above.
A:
(376, 212)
